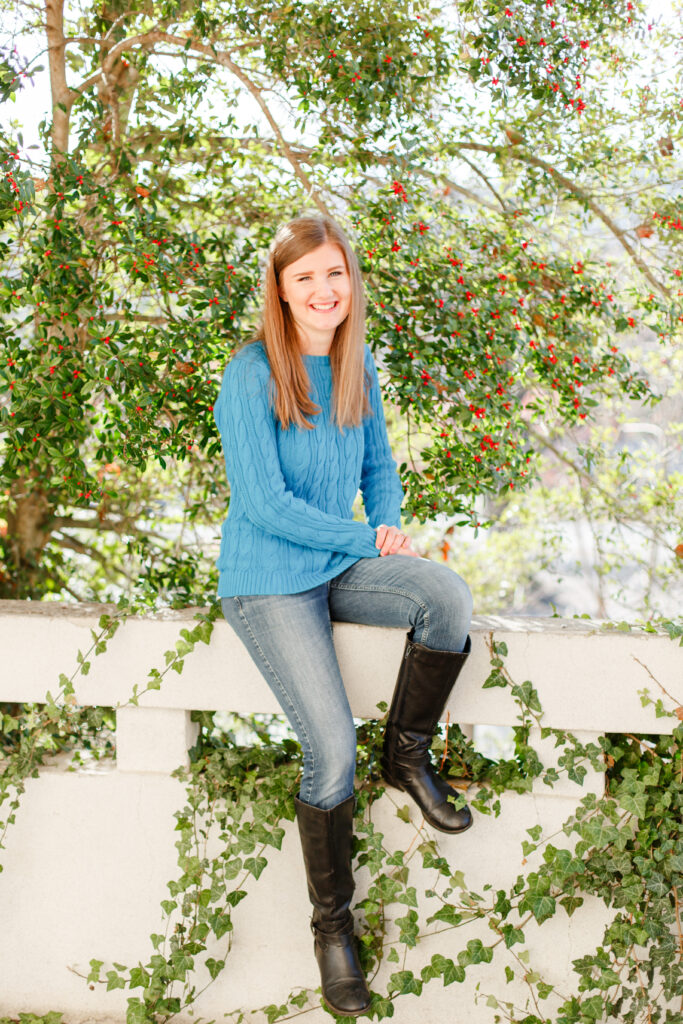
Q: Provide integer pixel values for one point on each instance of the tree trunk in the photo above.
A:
(61, 94)
(29, 514)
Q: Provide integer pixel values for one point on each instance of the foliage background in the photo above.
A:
(511, 178)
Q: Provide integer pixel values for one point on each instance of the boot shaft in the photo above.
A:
(326, 843)
(424, 683)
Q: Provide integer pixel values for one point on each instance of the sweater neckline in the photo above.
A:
(311, 360)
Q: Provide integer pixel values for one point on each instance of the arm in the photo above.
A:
(247, 427)
(380, 483)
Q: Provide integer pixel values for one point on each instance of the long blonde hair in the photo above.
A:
(277, 330)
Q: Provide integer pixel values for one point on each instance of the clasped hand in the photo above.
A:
(391, 541)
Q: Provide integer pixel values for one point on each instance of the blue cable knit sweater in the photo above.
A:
(289, 525)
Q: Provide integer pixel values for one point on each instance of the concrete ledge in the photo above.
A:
(587, 677)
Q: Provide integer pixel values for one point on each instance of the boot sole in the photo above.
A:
(344, 1013)
(439, 828)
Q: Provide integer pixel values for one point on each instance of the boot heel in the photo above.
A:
(341, 975)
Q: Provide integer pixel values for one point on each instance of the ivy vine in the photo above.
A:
(625, 848)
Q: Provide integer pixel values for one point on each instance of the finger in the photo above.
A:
(398, 543)
(381, 534)
(394, 541)
(406, 549)
(389, 540)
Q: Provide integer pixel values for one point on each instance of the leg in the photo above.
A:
(289, 638)
(397, 590)
(400, 590)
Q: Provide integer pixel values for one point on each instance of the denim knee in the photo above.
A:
(449, 611)
(452, 597)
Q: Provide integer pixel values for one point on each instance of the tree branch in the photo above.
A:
(65, 541)
(91, 552)
(221, 57)
(478, 171)
(122, 526)
(581, 193)
(584, 477)
(227, 62)
(143, 317)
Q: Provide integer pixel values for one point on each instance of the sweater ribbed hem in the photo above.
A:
(243, 582)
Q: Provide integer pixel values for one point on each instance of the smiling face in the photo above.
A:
(317, 289)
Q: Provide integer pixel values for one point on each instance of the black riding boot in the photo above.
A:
(425, 680)
(326, 838)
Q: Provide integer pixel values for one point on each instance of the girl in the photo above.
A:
(302, 426)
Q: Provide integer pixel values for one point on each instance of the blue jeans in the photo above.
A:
(289, 638)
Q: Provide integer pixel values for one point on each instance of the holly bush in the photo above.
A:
(469, 154)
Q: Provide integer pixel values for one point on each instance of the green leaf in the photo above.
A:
(404, 983)
(512, 935)
(571, 903)
(542, 907)
(476, 953)
(139, 977)
(635, 802)
(95, 967)
(221, 923)
(136, 1012)
(214, 967)
(255, 865)
(403, 813)
(527, 695)
(495, 678)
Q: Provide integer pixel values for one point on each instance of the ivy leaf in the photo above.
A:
(528, 695)
(214, 967)
(476, 953)
(139, 977)
(409, 928)
(495, 678)
(512, 935)
(454, 972)
(95, 967)
(221, 923)
(542, 907)
(404, 983)
(255, 865)
(136, 1012)
(635, 802)
(409, 897)
(114, 980)
(571, 903)
(381, 1007)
